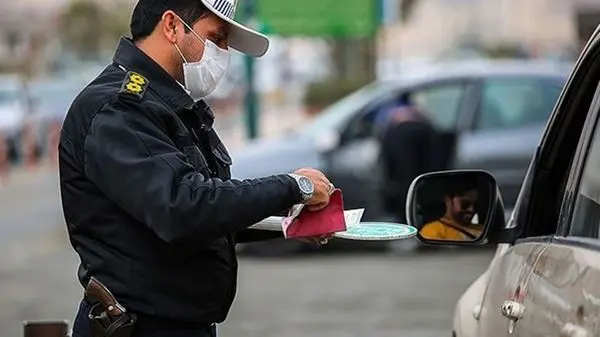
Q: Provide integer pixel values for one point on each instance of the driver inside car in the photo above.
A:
(459, 222)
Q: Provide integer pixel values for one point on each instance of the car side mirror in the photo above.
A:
(459, 207)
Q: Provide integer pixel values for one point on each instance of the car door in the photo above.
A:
(566, 296)
(509, 283)
(546, 284)
(509, 120)
(355, 164)
(352, 166)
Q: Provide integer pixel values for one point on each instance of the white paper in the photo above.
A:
(295, 211)
(273, 223)
(293, 214)
(353, 216)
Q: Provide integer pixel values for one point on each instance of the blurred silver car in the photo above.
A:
(14, 112)
(492, 111)
(52, 99)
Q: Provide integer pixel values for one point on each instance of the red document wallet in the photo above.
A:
(302, 223)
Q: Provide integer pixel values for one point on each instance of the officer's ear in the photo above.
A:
(170, 26)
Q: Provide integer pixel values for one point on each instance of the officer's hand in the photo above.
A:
(318, 240)
(323, 188)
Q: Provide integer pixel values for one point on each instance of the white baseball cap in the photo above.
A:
(241, 38)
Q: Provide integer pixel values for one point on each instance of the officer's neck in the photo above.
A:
(156, 51)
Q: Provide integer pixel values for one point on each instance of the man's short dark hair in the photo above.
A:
(460, 186)
(148, 13)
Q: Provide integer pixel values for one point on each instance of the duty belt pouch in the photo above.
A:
(104, 325)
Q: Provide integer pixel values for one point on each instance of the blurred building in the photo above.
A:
(540, 26)
(30, 35)
(25, 37)
(588, 17)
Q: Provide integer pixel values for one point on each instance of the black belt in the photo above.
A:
(151, 323)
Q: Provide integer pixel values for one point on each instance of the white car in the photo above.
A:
(468, 308)
(544, 278)
(13, 112)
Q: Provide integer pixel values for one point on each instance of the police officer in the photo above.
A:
(145, 181)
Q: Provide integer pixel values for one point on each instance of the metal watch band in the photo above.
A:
(305, 197)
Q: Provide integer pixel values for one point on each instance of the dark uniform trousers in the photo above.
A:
(145, 327)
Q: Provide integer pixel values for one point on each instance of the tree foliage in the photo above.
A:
(407, 8)
(324, 93)
(88, 28)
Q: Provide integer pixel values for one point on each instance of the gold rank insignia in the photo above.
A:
(134, 84)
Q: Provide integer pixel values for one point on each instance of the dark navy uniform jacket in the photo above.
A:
(147, 196)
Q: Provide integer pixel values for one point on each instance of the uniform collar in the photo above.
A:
(130, 57)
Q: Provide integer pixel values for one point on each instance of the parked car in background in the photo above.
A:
(52, 99)
(492, 111)
(39, 104)
(543, 279)
(15, 111)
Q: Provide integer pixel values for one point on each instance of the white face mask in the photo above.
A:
(202, 77)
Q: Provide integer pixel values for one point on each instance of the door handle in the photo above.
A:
(513, 310)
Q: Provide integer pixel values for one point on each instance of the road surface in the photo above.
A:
(321, 295)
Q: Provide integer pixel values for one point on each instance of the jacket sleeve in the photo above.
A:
(131, 159)
(253, 235)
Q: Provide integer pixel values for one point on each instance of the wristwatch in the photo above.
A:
(307, 188)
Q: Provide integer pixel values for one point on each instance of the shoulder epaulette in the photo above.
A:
(134, 84)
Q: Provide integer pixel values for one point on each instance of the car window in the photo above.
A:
(9, 96)
(510, 103)
(441, 103)
(586, 215)
(56, 97)
(367, 123)
(343, 110)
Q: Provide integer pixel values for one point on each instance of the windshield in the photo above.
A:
(336, 114)
(58, 95)
(8, 96)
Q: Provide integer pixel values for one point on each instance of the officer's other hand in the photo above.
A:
(323, 188)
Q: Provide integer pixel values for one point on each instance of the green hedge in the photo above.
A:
(504, 50)
(324, 93)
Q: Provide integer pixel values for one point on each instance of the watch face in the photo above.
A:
(306, 186)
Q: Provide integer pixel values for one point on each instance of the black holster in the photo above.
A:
(104, 325)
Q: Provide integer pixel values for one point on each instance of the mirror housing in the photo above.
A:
(456, 207)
